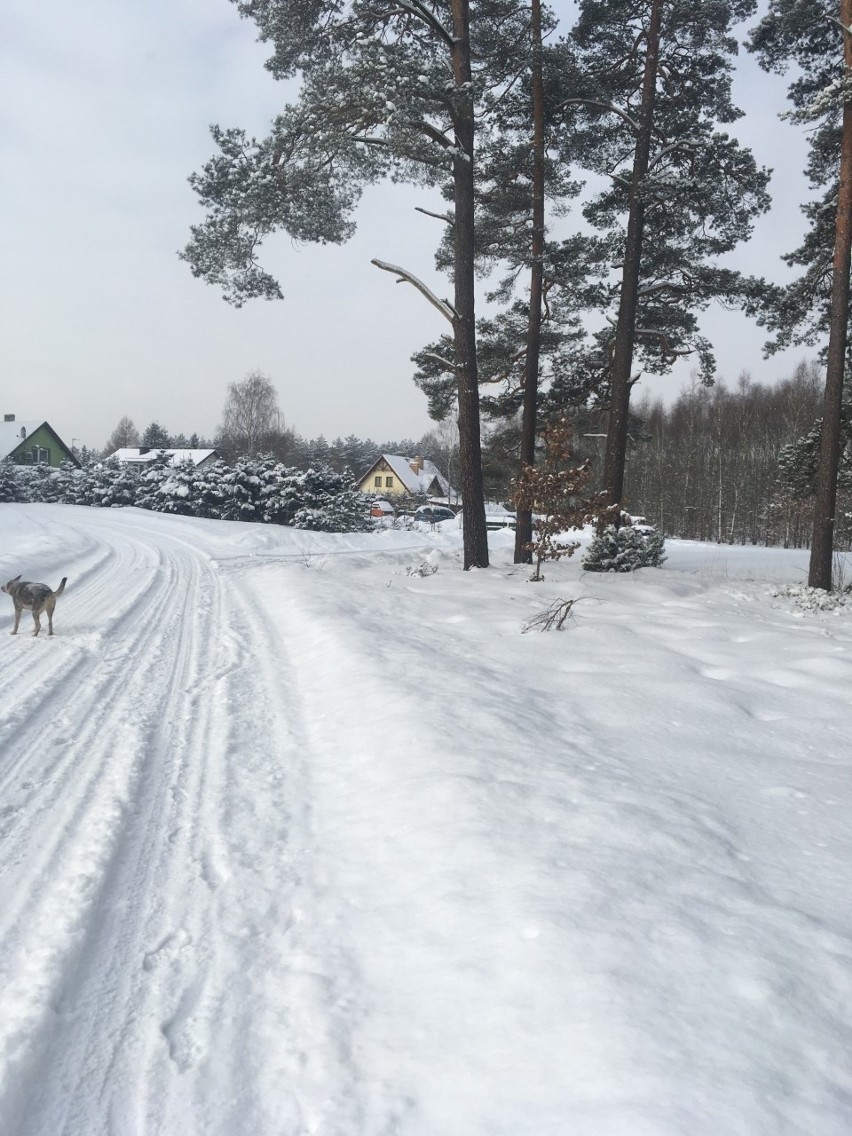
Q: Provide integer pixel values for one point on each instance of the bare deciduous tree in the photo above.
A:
(125, 434)
(251, 417)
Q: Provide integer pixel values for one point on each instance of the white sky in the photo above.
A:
(104, 112)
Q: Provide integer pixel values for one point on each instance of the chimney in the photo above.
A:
(8, 417)
(416, 464)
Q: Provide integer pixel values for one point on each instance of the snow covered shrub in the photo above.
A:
(808, 599)
(64, 483)
(242, 487)
(109, 485)
(169, 489)
(10, 488)
(424, 568)
(36, 482)
(209, 490)
(625, 549)
(324, 501)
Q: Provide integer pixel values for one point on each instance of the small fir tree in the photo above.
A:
(624, 549)
(10, 487)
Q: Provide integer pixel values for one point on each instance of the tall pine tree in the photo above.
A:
(387, 90)
(816, 36)
(652, 86)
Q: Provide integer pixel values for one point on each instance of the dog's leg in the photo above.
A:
(37, 622)
(17, 619)
(49, 609)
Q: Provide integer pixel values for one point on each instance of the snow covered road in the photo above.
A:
(293, 842)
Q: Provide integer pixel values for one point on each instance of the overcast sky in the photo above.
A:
(104, 112)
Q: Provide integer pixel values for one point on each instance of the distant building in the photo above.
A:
(141, 456)
(33, 443)
(392, 475)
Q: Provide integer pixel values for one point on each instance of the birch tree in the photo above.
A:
(251, 415)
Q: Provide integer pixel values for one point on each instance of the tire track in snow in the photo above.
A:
(102, 843)
(280, 1050)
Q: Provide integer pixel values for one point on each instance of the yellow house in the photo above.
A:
(392, 475)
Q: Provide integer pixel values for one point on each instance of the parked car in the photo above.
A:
(433, 514)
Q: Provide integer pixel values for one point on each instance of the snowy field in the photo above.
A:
(296, 841)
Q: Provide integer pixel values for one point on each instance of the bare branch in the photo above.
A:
(444, 307)
(446, 217)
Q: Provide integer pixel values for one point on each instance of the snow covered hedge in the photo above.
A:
(253, 489)
(625, 549)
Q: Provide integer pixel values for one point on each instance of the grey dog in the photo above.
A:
(36, 598)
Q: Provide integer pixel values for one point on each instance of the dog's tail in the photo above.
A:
(61, 587)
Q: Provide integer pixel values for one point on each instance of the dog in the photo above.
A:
(36, 598)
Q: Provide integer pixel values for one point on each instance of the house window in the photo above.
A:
(388, 482)
(42, 455)
(377, 481)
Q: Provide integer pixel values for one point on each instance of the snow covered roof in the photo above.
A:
(11, 436)
(417, 481)
(134, 455)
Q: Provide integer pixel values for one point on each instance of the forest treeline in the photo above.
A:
(727, 463)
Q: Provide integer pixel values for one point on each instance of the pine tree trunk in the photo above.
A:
(625, 334)
(475, 532)
(822, 540)
(523, 529)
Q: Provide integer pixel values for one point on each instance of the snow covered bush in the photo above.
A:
(35, 481)
(109, 485)
(209, 491)
(10, 489)
(625, 549)
(169, 489)
(324, 501)
(243, 488)
(254, 489)
(808, 599)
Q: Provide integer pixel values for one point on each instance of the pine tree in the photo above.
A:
(542, 286)
(156, 437)
(816, 36)
(652, 87)
(386, 90)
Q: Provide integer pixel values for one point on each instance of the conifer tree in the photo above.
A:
(386, 90)
(816, 37)
(544, 286)
(125, 434)
(651, 88)
(10, 489)
(156, 437)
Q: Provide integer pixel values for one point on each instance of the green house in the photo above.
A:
(33, 443)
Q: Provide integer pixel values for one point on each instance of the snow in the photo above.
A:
(295, 839)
